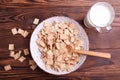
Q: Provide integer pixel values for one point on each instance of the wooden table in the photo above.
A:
(21, 13)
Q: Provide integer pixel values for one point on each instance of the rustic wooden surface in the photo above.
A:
(21, 13)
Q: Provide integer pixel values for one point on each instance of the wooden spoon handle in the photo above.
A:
(92, 53)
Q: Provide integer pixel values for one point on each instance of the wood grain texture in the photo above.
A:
(21, 13)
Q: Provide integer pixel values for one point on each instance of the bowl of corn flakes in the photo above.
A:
(48, 45)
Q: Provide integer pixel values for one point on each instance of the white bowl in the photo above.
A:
(36, 54)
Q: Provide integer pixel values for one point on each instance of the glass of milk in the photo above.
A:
(100, 15)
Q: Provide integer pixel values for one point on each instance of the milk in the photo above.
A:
(100, 15)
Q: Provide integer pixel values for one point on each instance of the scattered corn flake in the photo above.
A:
(36, 21)
(7, 67)
(41, 43)
(50, 53)
(67, 42)
(19, 51)
(26, 52)
(66, 31)
(77, 48)
(31, 62)
(11, 46)
(25, 34)
(72, 39)
(22, 58)
(57, 45)
(81, 43)
(12, 53)
(47, 66)
(33, 67)
(69, 67)
(20, 31)
(17, 55)
(14, 31)
(50, 62)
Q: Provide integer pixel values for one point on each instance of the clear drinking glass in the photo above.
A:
(100, 15)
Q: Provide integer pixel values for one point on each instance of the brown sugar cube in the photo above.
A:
(25, 34)
(7, 67)
(14, 31)
(11, 46)
(20, 31)
(36, 21)
(33, 67)
(26, 52)
(22, 58)
(12, 53)
(31, 62)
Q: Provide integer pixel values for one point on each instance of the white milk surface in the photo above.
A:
(100, 15)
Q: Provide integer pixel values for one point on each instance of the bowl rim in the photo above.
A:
(83, 57)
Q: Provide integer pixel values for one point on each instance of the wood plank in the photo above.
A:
(56, 2)
(105, 40)
(92, 68)
(21, 17)
(96, 40)
(21, 13)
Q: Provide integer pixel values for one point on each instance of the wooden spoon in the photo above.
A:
(90, 53)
